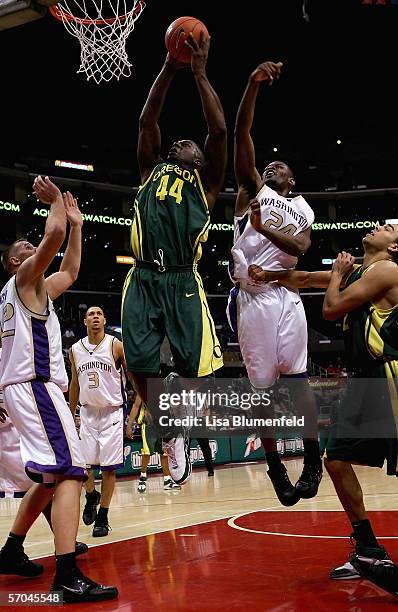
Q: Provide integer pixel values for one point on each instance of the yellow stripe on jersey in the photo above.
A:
(145, 448)
(376, 319)
(209, 362)
(202, 237)
(127, 283)
(136, 233)
(202, 191)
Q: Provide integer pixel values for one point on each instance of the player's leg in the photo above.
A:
(142, 482)
(111, 458)
(80, 548)
(206, 450)
(13, 560)
(168, 482)
(101, 526)
(292, 357)
(196, 352)
(360, 397)
(51, 450)
(142, 328)
(258, 317)
(89, 435)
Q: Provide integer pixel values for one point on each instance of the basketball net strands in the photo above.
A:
(102, 28)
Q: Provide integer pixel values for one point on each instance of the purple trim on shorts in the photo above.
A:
(52, 425)
(19, 494)
(41, 349)
(299, 375)
(106, 468)
(77, 473)
(233, 309)
(2, 494)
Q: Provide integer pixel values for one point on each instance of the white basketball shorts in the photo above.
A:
(101, 433)
(14, 481)
(49, 443)
(272, 332)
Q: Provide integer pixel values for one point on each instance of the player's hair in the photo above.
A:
(93, 306)
(6, 255)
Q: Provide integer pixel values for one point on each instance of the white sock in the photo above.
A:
(166, 478)
(143, 475)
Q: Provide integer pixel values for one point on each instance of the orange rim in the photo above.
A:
(62, 14)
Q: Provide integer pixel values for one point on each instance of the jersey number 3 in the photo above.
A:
(94, 380)
(175, 190)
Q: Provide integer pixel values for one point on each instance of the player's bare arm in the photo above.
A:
(293, 279)
(74, 388)
(248, 178)
(60, 281)
(379, 285)
(118, 355)
(149, 136)
(133, 415)
(215, 148)
(29, 279)
(292, 245)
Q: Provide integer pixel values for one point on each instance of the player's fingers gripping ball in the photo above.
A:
(178, 33)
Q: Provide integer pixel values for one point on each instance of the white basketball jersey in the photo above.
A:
(7, 421)
(99, 381)
(288, 215)
(31, 342)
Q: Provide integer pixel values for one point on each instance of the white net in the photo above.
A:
(102, 28)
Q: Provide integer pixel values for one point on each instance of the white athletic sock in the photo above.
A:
(143, 475)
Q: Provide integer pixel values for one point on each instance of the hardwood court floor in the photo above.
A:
(224, 543)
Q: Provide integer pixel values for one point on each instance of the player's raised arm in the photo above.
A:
(54, 234)
(149, 136)
(377, 281)
(248, 178)
(74, 388)
(295, 245)
(215, 149)
(60, 281)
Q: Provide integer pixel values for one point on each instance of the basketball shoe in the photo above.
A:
(177, 448)
(76, 587)
(90, 509)
(17, 563)
(308, 483)
(285, 491)
(349, 571)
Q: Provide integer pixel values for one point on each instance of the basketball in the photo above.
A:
(178, 32)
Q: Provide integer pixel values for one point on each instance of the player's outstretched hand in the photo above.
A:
(200, 51)
(257, 273)
(343, 264)
(267, 71)
(73, 213)
(255, 215)
(45, 190)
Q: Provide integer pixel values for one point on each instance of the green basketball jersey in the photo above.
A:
(370, 333)
(170, 215)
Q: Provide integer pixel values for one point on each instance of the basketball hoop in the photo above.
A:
(102, 28)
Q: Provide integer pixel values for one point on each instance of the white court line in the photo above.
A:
(144, 535)
(219, 518)
(231, 523)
